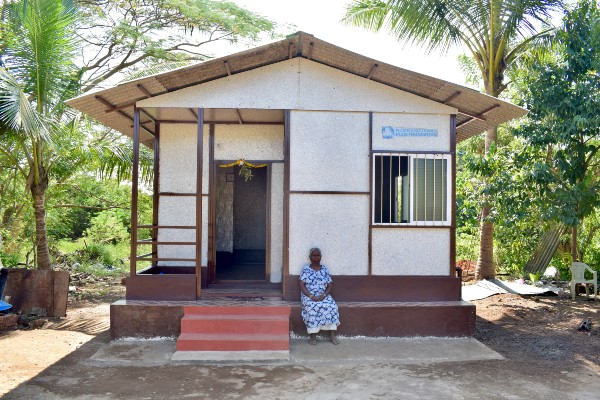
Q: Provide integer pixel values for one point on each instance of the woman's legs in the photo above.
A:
(332, 337)
(313, 338)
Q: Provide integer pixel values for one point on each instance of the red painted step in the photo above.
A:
(265, 324)
(234, 328)
(237, 310)
(231, 342)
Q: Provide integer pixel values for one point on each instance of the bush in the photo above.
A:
(9, 260)
(108, 227)
(98, 253)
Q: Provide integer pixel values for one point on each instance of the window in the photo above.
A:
(411, 189)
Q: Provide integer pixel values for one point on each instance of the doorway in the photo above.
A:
(241, 225)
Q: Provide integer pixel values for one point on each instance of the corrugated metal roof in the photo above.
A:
(478, 112)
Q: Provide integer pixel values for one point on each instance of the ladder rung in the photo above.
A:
(166, 243)
(165, 227)
(163, 259)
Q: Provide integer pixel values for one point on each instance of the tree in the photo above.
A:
(39, 135)
(36, 77)
(562, 131)
(495, 33)
(123, 35)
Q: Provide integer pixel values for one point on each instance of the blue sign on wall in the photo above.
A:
(388, 132)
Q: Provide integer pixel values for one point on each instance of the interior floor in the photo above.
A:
(241, 273)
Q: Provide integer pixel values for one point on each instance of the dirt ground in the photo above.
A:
(545, 356)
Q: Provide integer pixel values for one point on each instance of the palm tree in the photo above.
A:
(495, 32)
(35, 78)
(39, 135)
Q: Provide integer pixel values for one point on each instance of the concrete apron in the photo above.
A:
(350, 351)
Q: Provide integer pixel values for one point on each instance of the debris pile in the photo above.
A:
(468, 269)
(586, 325)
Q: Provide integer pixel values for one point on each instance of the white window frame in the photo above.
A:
(411, 157)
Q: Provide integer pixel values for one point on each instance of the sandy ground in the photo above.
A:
(545, 356)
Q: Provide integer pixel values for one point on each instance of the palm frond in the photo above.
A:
(112, 156)
(16, 111)
(43, 48)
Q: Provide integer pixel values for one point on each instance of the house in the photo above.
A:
(346, 153)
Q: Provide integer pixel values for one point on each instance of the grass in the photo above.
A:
(94, 258)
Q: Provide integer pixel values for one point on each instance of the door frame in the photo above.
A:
(212, 219)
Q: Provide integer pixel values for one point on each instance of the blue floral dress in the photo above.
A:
(318, 315)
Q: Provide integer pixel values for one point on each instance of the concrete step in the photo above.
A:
(237, 310)
(246, 323)
(232, 342)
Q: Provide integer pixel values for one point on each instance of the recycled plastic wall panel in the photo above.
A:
(337, 224)
(250, 142)
(329, 151)
(297, 84)
(411, 251)
(276, 222)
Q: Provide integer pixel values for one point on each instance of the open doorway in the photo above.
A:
(241, 225)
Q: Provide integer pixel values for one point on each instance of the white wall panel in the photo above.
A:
(276, 222)
(178, 151)
(411, 251)
(181, 211)
(326, 88)
(273, 86)
(441, 123)
(177, 211)
(337, 224)
(297, 84)
(250, 142)
(329, 151)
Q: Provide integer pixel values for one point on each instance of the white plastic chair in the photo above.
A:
(578, 276)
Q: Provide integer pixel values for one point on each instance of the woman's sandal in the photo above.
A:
(313, 341)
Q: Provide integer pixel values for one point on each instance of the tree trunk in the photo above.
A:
(41, 238)
(485, 262)
(574, 245)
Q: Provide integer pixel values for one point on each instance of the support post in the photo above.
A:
(286, 197)
(370, 243)
(199, 168)
(156, 192)
(134, 190)
(453, 196)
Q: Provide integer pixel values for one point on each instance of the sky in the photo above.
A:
(321, 18)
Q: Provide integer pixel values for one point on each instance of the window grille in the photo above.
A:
(411, 189)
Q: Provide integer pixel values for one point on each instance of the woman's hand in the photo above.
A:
(318, 298)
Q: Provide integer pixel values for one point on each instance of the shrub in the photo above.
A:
(9, 260)
(108, 227)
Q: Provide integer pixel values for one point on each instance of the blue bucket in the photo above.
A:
(4, 306)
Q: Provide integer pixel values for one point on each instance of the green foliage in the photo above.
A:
(562, 131)
(589, 240)
(108, 227)
(94, 258)
(9, 260)
(43, 144)
(499, 176)
(495, 33)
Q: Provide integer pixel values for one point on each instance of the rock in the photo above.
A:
(37, 323)
(41, 312)
(8, 322)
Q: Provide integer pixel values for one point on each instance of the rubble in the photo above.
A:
(8, 322)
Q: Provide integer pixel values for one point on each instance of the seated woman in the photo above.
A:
(319, 310)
